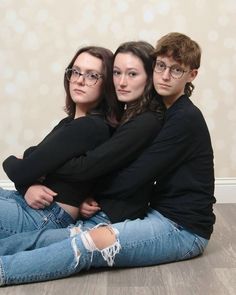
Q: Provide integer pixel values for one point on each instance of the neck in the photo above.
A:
(80, 111)
(170, 100)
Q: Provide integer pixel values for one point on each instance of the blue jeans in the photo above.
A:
(17, 216)
(44, 237)
(150, 241)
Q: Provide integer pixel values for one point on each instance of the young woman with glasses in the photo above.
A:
(139, 124)
(91, 107)
(180, 219)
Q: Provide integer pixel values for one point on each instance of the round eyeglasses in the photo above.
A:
(90, 78)
(176, 71)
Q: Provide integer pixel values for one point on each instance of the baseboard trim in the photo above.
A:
(225, 189)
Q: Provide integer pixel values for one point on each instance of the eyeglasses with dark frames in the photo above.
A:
(176, 71)
(90, 77)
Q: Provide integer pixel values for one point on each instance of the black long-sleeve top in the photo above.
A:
(70, 138)
(180, 160)
(125, 145)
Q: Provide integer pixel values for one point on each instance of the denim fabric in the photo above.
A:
(96, 219)
(16, 216)
(44, 237)
(150, 241)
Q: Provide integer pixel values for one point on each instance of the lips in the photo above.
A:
(78, 91)
(121, 91)
(163, 85)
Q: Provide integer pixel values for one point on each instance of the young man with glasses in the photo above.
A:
(179, 162)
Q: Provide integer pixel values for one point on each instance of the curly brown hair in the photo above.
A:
(183, 50)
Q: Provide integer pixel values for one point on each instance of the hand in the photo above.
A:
(88, 208)
(39, 196)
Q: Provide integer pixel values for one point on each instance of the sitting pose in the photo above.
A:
(179, 162)
(140, 122)
(91, 106)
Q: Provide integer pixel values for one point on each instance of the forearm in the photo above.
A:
(124, 147)
(168, 150)
(51, 153)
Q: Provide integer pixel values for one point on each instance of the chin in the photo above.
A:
(122, 99)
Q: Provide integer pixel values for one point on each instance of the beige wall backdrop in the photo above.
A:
(38, 39)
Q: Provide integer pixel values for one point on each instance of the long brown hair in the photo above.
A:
(149, 100)
(108, 106)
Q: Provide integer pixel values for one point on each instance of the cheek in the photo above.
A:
(70, 88)
(142, 86)
(116, 82)
(155, 79)
(96, 92)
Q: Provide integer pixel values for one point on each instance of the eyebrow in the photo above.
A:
(127, 68)
(87, 70)
(175, 64)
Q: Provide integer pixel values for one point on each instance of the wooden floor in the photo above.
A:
(212, 273)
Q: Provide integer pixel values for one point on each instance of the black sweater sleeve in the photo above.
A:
(70, 140)
(29, 150)
(123, 147)
(168, 149)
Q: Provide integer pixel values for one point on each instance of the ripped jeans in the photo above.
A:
(16, 216)
(31, 240)
(141, 242)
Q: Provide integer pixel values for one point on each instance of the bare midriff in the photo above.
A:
(72, 210)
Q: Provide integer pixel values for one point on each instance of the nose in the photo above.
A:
(80, 79)
(123, 80)
(166, 74)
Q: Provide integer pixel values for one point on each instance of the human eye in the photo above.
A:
(116, 73)
(160, 65)
(75, 72)
(176, 70)
(132, 74)
(92, 76)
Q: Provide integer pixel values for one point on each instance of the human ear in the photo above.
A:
(192, 75)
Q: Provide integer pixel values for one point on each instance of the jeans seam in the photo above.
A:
(38, 277)
(190, 250)
(2, 273)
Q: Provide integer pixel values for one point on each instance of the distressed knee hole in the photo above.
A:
(74, 231)
(103, 239)
(76, 251)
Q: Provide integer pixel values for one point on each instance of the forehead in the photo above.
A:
(128, 60)
(169, 60)
(86, 61)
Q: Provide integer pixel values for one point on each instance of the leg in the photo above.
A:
(17, 217)
(150, 241)
(11, 213)
(55, 261)
(44, 237)
(95, 220)
(155, 240)
(32, 240)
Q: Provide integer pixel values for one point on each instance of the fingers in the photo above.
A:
(90, 201)
(49, 191)
(40, 204)
(46, 203)
(39, 196)
(87, 210)
(94, 203)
